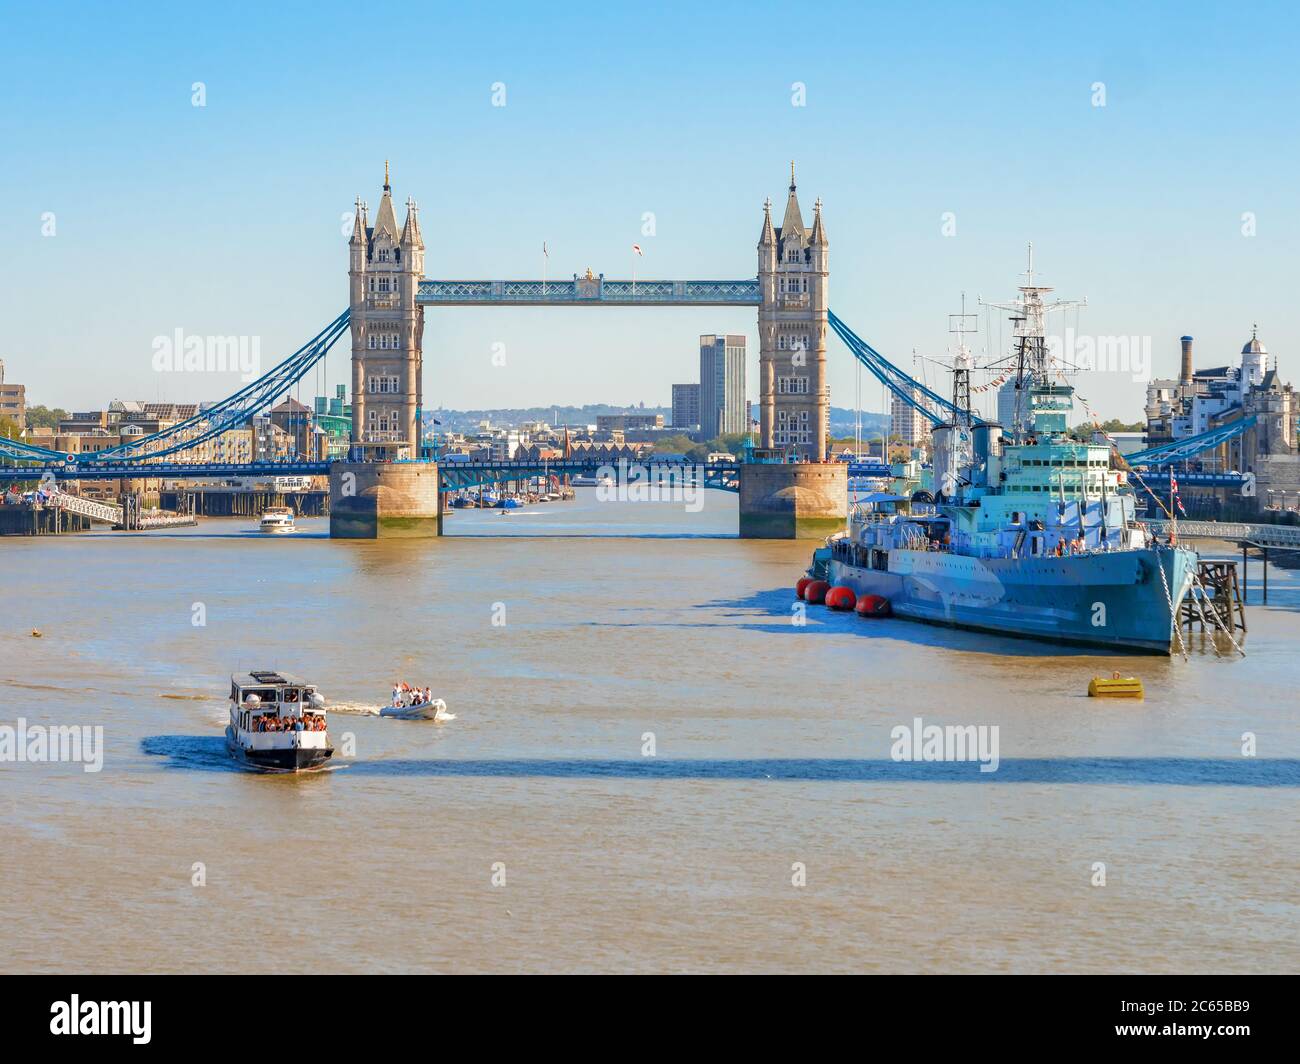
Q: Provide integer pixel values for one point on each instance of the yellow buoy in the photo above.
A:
(36, 633)
(1115, 687)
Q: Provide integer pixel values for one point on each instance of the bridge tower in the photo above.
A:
(792, 492)
(384, 271)
(377, 493)
(792, 274)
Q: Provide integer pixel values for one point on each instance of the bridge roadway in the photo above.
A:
(1160, 478)
(454, 476)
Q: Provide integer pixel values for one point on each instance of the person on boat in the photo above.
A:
(428, 696)
(397, 694)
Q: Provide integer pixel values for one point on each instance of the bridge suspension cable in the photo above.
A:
(231, 412)
(1185, 448)
(19, 451)
(931, 405)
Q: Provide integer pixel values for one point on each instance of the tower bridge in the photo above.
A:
(787, 488)
(791, 490)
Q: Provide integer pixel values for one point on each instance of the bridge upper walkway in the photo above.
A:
(588, 291)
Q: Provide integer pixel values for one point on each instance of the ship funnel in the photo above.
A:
(986, 448)
(1187, 360)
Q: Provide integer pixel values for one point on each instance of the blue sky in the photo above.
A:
(225, 219)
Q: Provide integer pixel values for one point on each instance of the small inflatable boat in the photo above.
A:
(435, 710)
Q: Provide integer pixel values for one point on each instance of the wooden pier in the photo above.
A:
(40, 521)
(1221, 597)
(240, 502)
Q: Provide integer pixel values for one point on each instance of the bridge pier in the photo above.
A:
(384, 500)
(805, 500)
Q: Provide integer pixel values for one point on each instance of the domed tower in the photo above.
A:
(1254, 360)
(384, 271)
(794, 396)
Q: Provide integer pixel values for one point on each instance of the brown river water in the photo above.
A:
(533, 833)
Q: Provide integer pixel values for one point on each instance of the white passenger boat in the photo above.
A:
(433, 710)
(277, 722)
(276, 520)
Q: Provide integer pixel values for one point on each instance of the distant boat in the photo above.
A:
(509, 503)
(276, 520)
(582, 481)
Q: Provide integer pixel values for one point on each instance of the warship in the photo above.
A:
(1026, 532)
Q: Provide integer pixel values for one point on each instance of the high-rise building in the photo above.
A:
(686, 407)
(13, 400)
(906, 422)
(722, 385)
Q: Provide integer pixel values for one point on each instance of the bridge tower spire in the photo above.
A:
(385, 268)
(794, 397)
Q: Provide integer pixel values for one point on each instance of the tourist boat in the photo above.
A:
(277, 723)
(432, 710)
(276, 520)
(1032, 535)
(583, 481)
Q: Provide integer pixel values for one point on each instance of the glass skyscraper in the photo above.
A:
(722, 385)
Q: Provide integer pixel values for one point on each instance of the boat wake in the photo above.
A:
(362, 709)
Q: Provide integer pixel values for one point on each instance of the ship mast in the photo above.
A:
(962, 363)
(1029, 313)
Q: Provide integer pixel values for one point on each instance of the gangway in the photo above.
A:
(96, 511)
